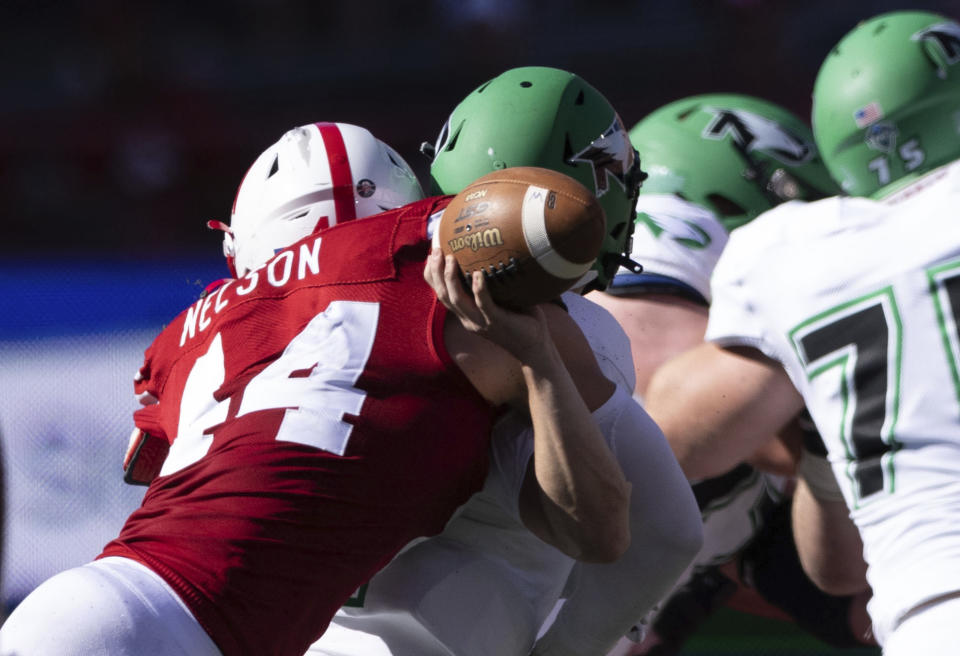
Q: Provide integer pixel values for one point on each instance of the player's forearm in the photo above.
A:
(718, 406)
(828, 542)
(583, 495)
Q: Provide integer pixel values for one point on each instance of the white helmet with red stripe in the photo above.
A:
(315, 176)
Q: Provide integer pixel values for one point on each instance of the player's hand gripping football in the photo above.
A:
(522, 333)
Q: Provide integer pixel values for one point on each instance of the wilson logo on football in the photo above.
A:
(477, 240)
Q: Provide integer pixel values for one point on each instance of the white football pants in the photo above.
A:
(110, 607)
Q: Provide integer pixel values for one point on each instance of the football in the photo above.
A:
(533, 232)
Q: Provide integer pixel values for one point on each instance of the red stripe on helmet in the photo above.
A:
(340, 174)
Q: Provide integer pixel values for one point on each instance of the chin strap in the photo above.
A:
(611, 262)
(623, 260)
(428, 150)
(229, 247)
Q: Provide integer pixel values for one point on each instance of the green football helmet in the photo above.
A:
(735, 155)
(536, 116)
(886, 102)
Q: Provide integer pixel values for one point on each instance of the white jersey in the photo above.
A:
(859, 300)
(486, 584)
(607, 338)
(673, 239)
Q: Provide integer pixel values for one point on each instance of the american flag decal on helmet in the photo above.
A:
(868, 114)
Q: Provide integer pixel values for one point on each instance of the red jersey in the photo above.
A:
(317, 425)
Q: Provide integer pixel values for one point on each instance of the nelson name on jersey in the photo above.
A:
(301, 260)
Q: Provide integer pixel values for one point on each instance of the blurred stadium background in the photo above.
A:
(126, 126)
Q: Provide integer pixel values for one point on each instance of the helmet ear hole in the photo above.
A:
(568, 153)
(274, 167)
(452, 141)
(725, 206)
(617, 231)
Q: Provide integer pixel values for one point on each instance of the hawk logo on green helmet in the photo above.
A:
(611, 154)
(946, 38)
(754, 132)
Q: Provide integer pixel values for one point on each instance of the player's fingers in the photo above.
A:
(481, 297)
(436, 274)
(451, 280)
(461, 302)
(433, 274)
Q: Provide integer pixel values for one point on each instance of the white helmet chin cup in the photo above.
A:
(315, 176)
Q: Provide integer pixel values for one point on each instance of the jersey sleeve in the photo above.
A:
(606, 600)
(677, 243)
(738, 317)
(511, 447)
(607, 338)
